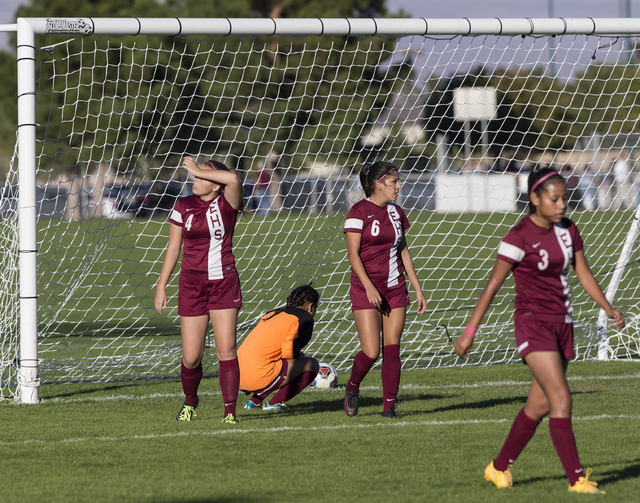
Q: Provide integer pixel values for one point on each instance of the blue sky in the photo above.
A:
(514, 8)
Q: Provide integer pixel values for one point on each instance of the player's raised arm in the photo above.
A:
(218, 173)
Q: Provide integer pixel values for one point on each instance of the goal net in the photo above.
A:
(464, 117)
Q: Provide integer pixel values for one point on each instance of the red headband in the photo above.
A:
(545, 177)
(380, 179)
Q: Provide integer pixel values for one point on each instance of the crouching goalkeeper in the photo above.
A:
(270, 357)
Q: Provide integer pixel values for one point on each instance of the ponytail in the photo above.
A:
(372, 173)
(298, 298)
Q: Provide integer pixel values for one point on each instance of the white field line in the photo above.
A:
(407, 387)
(386, 424)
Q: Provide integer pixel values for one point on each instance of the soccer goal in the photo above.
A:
(108, 107)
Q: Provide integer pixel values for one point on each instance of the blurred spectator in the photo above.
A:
(471, 165)
(587, 190)
(622, 181)
(262, 190)
(573, 182)
(604, 192)
(500, 165)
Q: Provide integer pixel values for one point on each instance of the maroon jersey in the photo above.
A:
(382, 230)
(541, 259)
(207, 231)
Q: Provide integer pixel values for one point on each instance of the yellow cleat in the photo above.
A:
(230, 419)
(500, 479)
(584, 485)
(187, 412)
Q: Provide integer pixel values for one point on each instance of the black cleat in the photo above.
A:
(187, 411)
(350, 402)
(390, 414)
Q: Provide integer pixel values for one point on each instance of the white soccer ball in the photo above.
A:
(327, 377)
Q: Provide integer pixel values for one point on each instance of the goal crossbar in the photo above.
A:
(335, 27)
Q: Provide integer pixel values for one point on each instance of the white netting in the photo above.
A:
(115, 116)
(8, 287)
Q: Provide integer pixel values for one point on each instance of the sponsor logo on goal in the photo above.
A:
(79, 26)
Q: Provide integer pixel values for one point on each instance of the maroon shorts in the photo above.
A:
(392, 297)
(273, 385)
(197, 297)
(533, 334)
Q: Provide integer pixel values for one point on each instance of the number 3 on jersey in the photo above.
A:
(189, 222)
(544, 255)
(375, 228)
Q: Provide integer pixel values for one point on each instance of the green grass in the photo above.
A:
(120, 443)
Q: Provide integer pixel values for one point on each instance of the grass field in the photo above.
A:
(120, 443)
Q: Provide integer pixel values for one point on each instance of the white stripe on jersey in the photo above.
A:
(176, 216)
(354, 223)
(394, 216)
(510, 251)
(566, 245)
(216, 225)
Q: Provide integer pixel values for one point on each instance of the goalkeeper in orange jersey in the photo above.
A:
(270, 357)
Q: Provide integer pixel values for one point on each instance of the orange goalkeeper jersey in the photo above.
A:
(275, 337)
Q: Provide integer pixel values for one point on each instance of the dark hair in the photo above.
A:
(549, 174)
(217, 165)
(299, 297)
(371, 173)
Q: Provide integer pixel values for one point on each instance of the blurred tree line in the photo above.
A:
(150, 99)
(539, 113)
(126, 100)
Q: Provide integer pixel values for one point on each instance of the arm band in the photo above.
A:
(470, 331)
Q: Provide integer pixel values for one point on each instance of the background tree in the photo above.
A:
(185, 99)
(607, 98)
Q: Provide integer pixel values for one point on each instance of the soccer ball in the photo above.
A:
(327, 377)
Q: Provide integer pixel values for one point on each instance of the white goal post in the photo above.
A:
(107, 107)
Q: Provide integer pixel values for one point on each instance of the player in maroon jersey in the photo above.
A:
(379, 257)
(539, 251)
(209, 287)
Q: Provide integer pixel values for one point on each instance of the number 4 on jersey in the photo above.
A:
(188, 223)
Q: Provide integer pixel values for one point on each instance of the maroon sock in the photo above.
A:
(229, 377)
(565, 443)
(361, 366)
(522, 429)
(260, 395)
(287, 392)
(190, 381)
(391, 368)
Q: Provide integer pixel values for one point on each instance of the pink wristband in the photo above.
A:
(470, 331)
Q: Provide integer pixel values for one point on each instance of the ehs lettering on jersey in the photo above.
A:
(394, 216)
(214, 218)
(216, 231)
(566, 245)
